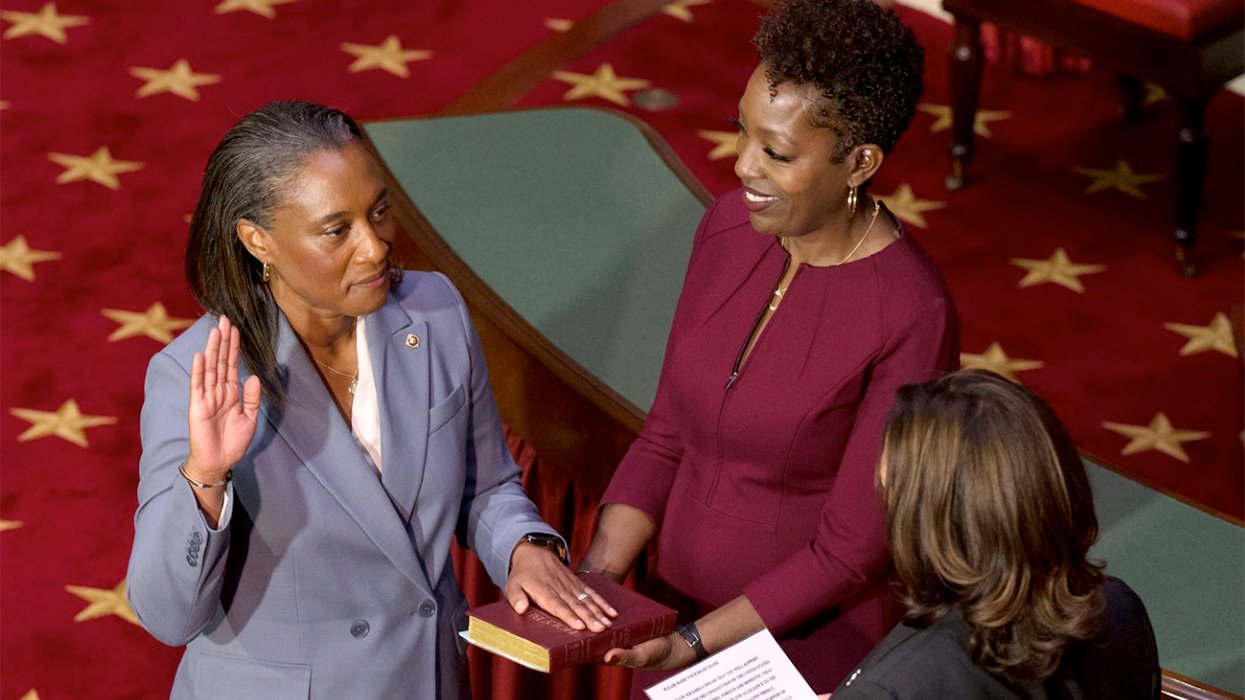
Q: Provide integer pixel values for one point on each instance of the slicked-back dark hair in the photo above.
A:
(858, 56)
(248, 177)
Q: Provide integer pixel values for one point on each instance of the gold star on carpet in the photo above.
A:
(46, 23)
(178, 79)
(259, 7)
(681, 9)
(18, 258)
(1159, 435)
(604, 83)
(31, 694)
(1057, 269)
(4, 104)
(997, 361)
(981, 120)
(155, 323)
(66, 422)
(904, 205)
(1217, 335)
(6, 525)
(387, 56)
(724, 142)
(99, 167)
(1121, 178)
(558, 25)
(103, 601)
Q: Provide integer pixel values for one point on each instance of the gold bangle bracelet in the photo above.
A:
(201, 485)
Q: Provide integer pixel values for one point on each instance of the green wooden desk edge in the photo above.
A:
(571, 218)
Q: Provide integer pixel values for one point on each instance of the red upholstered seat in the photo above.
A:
(1183, 19)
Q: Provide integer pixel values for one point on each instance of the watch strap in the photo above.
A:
(692, 637)
(553, 543)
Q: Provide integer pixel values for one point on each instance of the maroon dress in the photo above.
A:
(763, 484)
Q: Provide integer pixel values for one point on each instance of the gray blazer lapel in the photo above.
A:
(400, 369)
(315, 432)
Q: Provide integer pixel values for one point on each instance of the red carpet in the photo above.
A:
(89, 265)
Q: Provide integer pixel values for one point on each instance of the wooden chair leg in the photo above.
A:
(1190, 175)
(1134, 90)
(966, 64)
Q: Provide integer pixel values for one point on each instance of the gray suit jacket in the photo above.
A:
(323, 579)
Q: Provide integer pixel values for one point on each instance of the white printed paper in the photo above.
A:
(754, 669)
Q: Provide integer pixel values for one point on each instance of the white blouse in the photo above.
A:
(365, 408)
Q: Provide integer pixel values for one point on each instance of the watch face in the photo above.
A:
(551, 542)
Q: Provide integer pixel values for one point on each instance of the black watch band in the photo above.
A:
(692, 637)
(553, 543)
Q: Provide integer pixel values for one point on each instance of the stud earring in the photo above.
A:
(851, 201)
(267, 271)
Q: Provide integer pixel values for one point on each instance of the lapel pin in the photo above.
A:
(412, 340)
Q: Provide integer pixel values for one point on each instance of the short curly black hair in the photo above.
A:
(860, 57)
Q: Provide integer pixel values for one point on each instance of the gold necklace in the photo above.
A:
(776, 298)
(354, 378)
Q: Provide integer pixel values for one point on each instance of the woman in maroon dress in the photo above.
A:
(805, 306)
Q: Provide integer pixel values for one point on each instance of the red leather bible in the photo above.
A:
(542, 642)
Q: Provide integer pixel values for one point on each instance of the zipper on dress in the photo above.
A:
(739, 358)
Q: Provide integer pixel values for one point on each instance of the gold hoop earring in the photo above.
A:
(851, 202)
(267, 274)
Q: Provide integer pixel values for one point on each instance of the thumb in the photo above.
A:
(518, 599)
(250, 396)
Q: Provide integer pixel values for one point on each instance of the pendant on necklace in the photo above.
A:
(354, 384)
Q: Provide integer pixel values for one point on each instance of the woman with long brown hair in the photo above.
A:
(990, 519)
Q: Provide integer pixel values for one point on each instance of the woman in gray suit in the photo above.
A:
(315, 441)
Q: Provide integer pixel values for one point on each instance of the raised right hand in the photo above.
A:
(221, 418)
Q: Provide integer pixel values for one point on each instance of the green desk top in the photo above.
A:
(1189, 569)
(573, 219)
(569, 215)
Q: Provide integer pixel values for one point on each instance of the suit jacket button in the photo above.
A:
(427, 608)
(359, 629)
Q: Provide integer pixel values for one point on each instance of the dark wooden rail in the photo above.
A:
(1178, 687)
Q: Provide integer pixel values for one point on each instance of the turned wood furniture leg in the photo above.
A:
(965, 88)
(1190, 175)
(1134, 90)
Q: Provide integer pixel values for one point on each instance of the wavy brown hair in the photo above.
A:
(247, 177)
(989, 510)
